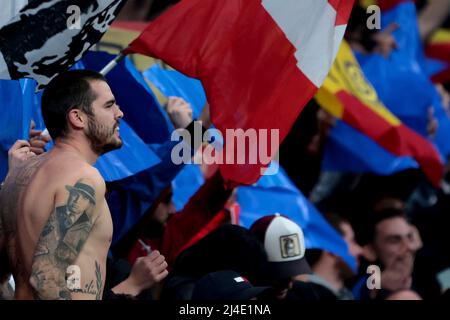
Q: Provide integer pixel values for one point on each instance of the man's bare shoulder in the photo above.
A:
(42, 177)
(90, 174)
(67, 165)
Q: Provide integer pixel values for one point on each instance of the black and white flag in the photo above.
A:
(48, 36)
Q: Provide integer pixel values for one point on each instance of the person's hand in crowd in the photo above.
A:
(38, 139)
(385, 41)
(145, 274)
(179, 111)
(325, 122)
(19, 152)
(205, 116)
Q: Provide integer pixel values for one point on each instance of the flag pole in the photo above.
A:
(112, 64)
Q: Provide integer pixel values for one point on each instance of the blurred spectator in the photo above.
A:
(226, 285)
(169, 232)
(365, 40)
(163, 229)
(330, 271)
(146, 270)
(404, 295)
(392, 247)
(284, 243)
(20, 151)
(229, 247)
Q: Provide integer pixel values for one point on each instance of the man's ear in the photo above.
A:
(369, 253)
(77, 119)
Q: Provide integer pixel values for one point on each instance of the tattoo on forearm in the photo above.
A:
(61, 241)
(98, 276)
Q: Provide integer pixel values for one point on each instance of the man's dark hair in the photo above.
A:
(378, 216)
(67, 91)
(336, 221)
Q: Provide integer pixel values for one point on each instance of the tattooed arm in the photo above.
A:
(62, 240)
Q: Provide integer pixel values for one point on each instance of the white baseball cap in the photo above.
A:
(284, 244)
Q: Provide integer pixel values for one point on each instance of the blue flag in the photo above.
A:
(349, 150)
(174, 83)
(16, 105)
(403, 85)
(186, 184)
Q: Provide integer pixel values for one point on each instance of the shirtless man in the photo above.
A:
(55, 224)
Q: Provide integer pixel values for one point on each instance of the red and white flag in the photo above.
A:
(260, 61)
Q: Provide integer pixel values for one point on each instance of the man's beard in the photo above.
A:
(102, 138)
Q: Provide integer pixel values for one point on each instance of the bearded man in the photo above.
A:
(55, 225)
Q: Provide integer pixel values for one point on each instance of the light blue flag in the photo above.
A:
(174, 83)
(16, 105)
(186, 184)
(349, 150)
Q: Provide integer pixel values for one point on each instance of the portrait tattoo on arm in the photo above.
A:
(61, 241)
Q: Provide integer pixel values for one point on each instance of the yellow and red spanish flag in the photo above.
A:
(348, 95)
